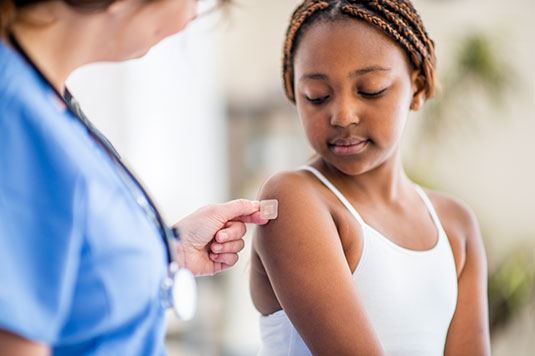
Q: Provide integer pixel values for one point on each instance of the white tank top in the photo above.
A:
(409, 296)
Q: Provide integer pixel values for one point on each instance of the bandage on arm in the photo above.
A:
(269, 209)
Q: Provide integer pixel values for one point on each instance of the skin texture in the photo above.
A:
(60, 39)
(360, 85)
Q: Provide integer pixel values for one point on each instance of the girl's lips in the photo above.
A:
(348, 147)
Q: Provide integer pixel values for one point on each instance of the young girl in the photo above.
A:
(361, 260)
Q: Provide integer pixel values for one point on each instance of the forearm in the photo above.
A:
(180, 255)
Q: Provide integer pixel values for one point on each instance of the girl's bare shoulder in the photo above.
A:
(289, 186)
(453, 212)
(460, 224)
(303, 210)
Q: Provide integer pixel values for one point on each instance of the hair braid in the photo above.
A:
(411, 15)
(397, 19)
(425, 49)
(300, 15)
(406, 8)
(387, 29)
(402, 27)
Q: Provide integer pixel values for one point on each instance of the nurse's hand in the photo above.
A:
(212, 236)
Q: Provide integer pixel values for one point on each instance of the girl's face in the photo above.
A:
(354, 88)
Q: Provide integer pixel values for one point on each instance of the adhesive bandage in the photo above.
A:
(269, 209)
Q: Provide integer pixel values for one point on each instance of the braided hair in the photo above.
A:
(398, 19)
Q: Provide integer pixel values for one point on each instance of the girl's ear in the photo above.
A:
(418, 90)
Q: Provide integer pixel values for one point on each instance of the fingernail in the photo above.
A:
(222, 236)
(216, 248)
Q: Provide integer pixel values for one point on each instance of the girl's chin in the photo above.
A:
(347, 168)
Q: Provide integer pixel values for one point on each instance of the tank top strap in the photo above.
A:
(336, 192)
(430, 208)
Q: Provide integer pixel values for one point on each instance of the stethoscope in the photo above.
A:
(178, 289)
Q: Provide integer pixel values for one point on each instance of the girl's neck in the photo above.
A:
(385, 183)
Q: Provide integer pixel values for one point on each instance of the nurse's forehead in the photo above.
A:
(349, 44)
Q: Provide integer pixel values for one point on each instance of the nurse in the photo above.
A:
(87, 265)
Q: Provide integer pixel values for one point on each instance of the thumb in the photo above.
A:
(237, 208)
(256, 218)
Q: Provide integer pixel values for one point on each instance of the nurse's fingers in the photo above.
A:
(269, 210)
(236, 208)
(228, 247)
(233, 230)
(255, 218)
(228, 259)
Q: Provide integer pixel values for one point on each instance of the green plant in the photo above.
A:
(511, 287)
(478, 73)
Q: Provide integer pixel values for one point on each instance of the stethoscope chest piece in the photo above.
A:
(179, 292)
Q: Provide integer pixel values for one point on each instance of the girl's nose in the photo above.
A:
(345, 113)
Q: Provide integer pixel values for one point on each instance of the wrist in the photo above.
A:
(180, 254)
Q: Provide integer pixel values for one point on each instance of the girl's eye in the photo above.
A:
(372, 94)
(317, 100)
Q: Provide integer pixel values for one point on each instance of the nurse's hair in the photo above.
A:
(397, 19)
(9, 8)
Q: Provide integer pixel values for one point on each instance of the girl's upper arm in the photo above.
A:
(305, 262)
(469, 330)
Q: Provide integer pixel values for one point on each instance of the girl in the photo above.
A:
(362, 261)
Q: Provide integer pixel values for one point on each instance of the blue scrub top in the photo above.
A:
(80, 263)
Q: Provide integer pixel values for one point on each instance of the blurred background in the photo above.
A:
(203, 119)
